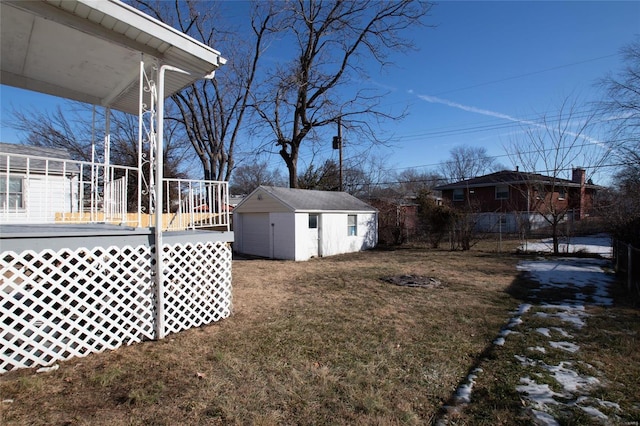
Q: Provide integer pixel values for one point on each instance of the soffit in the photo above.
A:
(90, 51)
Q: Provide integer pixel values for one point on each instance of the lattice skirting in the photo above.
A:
(55, 305)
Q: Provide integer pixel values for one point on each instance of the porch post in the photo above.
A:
(158, 203)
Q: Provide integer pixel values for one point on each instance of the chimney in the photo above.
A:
(578, 176)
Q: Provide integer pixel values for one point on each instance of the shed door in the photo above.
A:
(255, 234)
(314, 235)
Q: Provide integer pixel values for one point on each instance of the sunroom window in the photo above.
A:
(11, 193)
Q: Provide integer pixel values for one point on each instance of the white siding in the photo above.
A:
(43, 197)
(283, 235)
(335, 238)
(306, 239)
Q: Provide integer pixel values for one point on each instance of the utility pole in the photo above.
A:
(337, 144)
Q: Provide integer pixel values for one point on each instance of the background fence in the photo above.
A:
(626, 260)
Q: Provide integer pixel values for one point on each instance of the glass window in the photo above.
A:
(502, 192)
(313, 221)
(458, 195)
(562, 193)
(11, 194)
(352, 223)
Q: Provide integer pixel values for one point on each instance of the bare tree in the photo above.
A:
(412, 181)
(552, 147)
(622, 106)
(315, 89)
(212, 111)
(248, 177)
(467, 162)
(622, 103)
(73, 130)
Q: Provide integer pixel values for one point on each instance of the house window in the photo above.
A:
(502, 192)
(313, 221)
(11, 193)
(352, 224)
(458, 195)
(562, 193)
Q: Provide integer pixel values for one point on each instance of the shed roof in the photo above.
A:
(39, 159)
(90, 51)
(310, 200)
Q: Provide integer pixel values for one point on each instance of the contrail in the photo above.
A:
(469, 108)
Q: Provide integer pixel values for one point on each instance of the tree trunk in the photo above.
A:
(554, 237)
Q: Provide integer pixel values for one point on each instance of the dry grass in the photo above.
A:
(318, 342)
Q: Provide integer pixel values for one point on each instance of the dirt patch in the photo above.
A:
(413, 281)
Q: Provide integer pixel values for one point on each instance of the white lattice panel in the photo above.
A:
(197, 284)
(57, 305)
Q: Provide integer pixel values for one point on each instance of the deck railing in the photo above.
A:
(37, 189)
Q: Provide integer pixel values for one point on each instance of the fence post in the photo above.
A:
(629, 266)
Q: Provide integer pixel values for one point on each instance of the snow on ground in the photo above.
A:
(579, 282)
(595, 244)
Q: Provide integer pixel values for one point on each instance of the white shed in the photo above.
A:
(298, 224)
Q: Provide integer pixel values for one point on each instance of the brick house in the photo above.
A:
(511, 201)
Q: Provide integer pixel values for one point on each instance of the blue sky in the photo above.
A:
(483, 68)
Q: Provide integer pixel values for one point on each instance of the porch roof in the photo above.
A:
(90, 51)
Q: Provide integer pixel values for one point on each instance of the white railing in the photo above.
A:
(197, 204)
(48, 190)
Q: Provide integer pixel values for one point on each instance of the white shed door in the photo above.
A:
(255, 234)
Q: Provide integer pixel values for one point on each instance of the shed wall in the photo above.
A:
(334, 233)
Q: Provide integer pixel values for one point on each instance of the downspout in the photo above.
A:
(158, 205)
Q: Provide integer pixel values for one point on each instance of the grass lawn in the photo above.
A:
(326, 341)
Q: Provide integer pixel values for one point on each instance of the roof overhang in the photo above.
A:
(90, 51)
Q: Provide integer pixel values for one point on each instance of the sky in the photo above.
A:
(481, 71)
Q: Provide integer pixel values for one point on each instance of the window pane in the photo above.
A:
(352, 225)
(14, 197)
(313, 221)
(502, 192)
(458, 195)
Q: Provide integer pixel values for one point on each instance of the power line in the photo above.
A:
(525, 75)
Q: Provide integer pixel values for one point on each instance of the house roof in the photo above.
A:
(310, 200)
(39, 159)
(510, 177)
(90, 51)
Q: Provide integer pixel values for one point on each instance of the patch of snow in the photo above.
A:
(537, 348)
(570, 380)
(565, 346)
(570, 314)
(608, 404)
(499, 341)
(544, 331)
(595, 244)
(515, 321)
(463, 393)
(593, 412)
(540, 394)
(523, 309)
(544, 419)
(562, 332)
